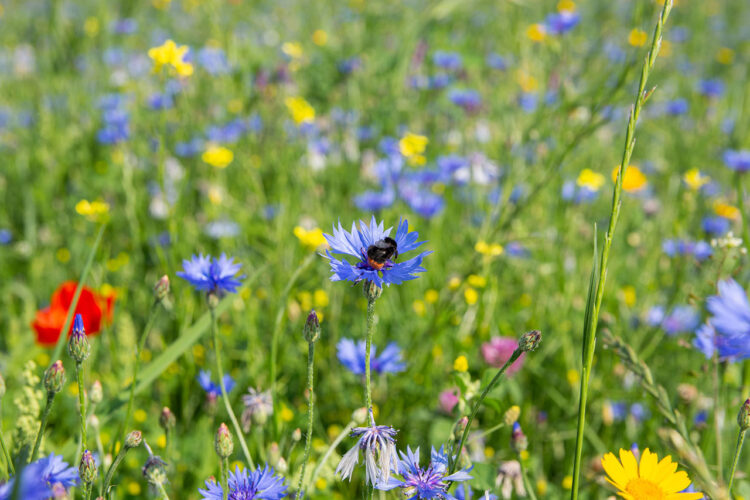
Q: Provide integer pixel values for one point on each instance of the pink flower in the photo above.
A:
(498, 350)
(448, 400)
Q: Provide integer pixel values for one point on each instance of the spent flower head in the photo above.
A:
(258, 407)
(378, 444)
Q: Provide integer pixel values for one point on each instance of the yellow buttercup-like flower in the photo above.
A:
(292, 49)
(461, 364)
(412, 145)
(218, 156)
(695, 179)
(95, 211)
(300, 109)
(650, 479)
(169, 54)
(726, 210)
(536, 32)
(312, 239)
(567, 5)
(633, 180)
(637, 38)
(590, 180)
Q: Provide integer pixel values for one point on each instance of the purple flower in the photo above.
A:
(359, 243)
(430, 482)
(211, 274)
(352, 356)
(737, 160)
(260, 484)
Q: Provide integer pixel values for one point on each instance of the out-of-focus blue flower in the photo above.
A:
(212, 389)
(447, 60)
(378, 443)
(639, 412)
(260, 484)
(679, 34)
(619, 410)
(527, 101)
(701, 418)
(467, 99)
(571, 191)
(160, 102)
(374, 201)
(711, 87)
(676, 107)
(516, 249)
(5, 236)
(739, 161)
(38, 478)
(222, 229)
(727, 331)
(423, 202)
(189, 149)
(356, 244)
(496, 61)
(116, 121)
(352, 356)
(213, 60)
(449, 165)
(350, 65)
(674, 247)
(559, 23)
(655, 315)
(715, 226)
(126, 26)
(682, 319)
(463, 492)
(430, 482)
(211, 274)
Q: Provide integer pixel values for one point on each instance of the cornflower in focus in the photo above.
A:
(211, 274)
(430, 482)
(260, 484)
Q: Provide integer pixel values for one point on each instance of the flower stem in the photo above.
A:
(163, 491)
(220, 371)
(590, 343)
(8, 461)
(225, 478)
(81, 404)
(740, 183)
(345, 432)
(718, 418)
(737, 450)
(42, 425)
(368, 346)
(310, 410)
(112, 468)
(455, 457)
(526, 482)
(139, 350)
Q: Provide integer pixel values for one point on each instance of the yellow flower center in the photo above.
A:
(643, 489)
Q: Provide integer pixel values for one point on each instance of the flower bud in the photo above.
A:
(133, 439)
(359, 415)
(529, 341)
(518, 440)
(95, 393)
(78, 344)
(167, 420)
(87, 469)
(223, 443)
(282, 466)
(54, 378)
(161, 288)
(296, 434)
(154, 470)
(312, 328)
(94, 421)
(213, 300)
(274, 454)
(371, 290)
(743, 417)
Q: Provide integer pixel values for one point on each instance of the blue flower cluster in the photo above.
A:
(40, 479)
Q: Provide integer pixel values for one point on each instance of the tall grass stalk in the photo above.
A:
(592, 313)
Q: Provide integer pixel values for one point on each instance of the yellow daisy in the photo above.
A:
(650, 480)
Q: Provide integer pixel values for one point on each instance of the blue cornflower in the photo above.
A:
(5, 236)
(559, 23)
(496, 61)
(378, 444)
(213, 60)
(352, 356)
(655, 315)
(211, 274)
(212, 389)
(527, 101)
(469, 100)
(447, 60)
(260, 484)
(711, 87)
(715, 226)
(681, 319)
(676, 107)
(360, 242)
(430, 482)
(374, 201)
(38, 478)
(739, 161)
(727, 332)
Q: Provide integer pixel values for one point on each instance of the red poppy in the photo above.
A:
(94, 308)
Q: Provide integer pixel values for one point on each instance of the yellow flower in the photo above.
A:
(567, 482)
(454, 282)
(477, 281)
(633, 181)
(650, 479)
(727, 211)
(536, 32)
(292, 49)
(312, 239)
(492, 250)
(637, 38)
(568, 5)
(590, 180)
(286, 414)
(413, 145)
(573, 376)
(218, 156)
(320, 38)
(320, 483)
(527, 82)
(91, 26)
(161, 4)
(169, 54)
(300, 109)
(431, 296)
(320, 298)
(134, 488)
(471, 296)
(695, 179)
(461, 364)
(628, 295)
(419, 307)
(94, 210)
(725, 55)
(63, 255)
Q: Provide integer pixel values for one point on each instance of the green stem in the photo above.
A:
(8, 461)
(351, 425)
(112, 468)
(69, 318)
(456, 457)
(740, 183)
(526, 482)
(220, 373)
(718, 417)
(42, 425)
(737, 451)
(368, 346)
(310, 410)
(81, 404)
(139, 350)
(163, 491)
(225, 478)
(614, 216)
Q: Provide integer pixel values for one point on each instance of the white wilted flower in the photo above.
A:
(379, 446)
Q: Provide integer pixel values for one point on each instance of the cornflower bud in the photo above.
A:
(78, 344)
(154, 470)
(87, 469)
(167, 420)
(312, 328)
(161, 288)
(54, 378)
(743, 417)
(518, 440)
(96, 394)
(371, 290)
(133, 439)
(529, 341)
(223, 443)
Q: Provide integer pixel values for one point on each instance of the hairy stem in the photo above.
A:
(737, 451)
(310, 410)
(42, 425)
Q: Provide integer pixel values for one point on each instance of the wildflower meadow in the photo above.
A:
(374, 249)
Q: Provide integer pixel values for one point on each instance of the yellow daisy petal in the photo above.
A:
(684, 496)
(648, 465)
(665, 469)
(614, 469)
(629, 463)
(675, 483)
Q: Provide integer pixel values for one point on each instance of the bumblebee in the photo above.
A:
(380, 251)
